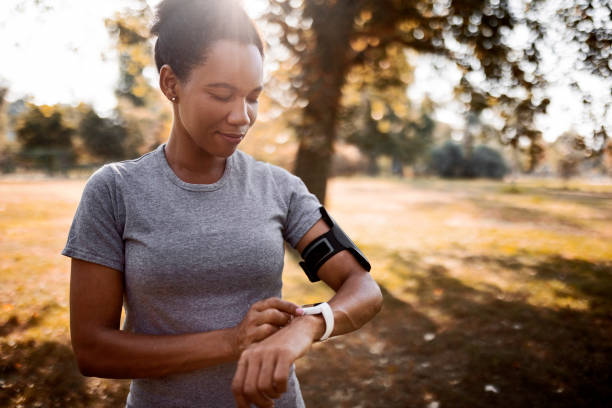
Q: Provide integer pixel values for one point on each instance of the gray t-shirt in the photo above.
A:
(195, 257)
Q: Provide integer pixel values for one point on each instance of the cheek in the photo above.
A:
(252, 112)
(203, 113)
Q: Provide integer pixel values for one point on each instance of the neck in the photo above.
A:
(191, 163)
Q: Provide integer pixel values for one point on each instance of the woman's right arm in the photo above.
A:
(103, 350)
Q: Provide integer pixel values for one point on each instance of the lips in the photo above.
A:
(232, 137)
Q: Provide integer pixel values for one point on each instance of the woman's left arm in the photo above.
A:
(263, 369)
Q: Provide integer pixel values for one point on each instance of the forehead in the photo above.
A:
(239, 65)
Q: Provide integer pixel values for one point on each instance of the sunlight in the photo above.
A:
(255, 8)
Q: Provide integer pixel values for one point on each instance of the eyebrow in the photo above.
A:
(225, 85)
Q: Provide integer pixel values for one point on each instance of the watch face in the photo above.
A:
(312, 304)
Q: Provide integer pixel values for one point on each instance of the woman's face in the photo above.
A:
(217, 104)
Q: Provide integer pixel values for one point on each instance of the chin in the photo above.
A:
(222, 152)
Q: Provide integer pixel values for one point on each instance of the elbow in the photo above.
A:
(85, 363)
(369, 307)
(377, 299)
(89, 356)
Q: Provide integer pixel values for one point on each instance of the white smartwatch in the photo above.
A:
(328, 316)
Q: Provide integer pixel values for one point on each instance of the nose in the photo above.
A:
(240, 114)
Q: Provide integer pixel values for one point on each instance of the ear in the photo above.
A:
(168, 82)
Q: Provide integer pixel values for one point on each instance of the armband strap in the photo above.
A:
(327, 245)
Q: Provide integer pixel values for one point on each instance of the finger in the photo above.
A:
(265, 382)
(252, 393)
(279, 304)
(263, 332)
(274, 316)
(281, 373)
(238, 382)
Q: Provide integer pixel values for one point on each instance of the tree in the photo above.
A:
(140, 108)
(379, 129)
(103, 138)
(129, 28)
(45, 139)
(329, 37)
(3, 92)
(485, 162)
(449, 161)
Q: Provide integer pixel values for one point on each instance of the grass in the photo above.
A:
(495, 295)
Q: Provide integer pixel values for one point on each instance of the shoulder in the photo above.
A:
(108, 177)
(258, 168)
(142, 164)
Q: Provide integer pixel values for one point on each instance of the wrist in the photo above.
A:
(312, 325)
(231, 336)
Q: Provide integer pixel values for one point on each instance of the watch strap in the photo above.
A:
(328, 315)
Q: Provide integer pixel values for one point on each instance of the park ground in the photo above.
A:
(495, 295)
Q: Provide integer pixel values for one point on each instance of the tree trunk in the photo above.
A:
(397, 167)
(324, 67)
(313, 163)
(373, 167)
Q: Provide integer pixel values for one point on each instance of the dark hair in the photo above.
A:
(186, 29)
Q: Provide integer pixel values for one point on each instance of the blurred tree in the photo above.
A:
(3, 119)
(45, 138)
(485, 162)
(376, 114)
(572, 157)
(518, 114)
(7, 149)
(104, 138)
(450, 161)
(591, 27)
(447, 160)
(378, 129)
(329, 37)
(140, 107)
(130, 31)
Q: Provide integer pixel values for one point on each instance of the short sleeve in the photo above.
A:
(96, 234)
(303, 210)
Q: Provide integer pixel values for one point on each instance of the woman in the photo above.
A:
(189, 237)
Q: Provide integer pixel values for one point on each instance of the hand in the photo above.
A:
(263, 368)
(263, 319)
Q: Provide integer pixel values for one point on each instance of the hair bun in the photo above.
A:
(168, 9)
(185, 30)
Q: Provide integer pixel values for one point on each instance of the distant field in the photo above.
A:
(495, 296)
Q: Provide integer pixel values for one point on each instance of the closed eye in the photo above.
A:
(254, 97)
(222, 98)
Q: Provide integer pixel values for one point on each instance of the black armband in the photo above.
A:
(327, 245)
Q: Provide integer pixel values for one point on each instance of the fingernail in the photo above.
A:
(299, 311)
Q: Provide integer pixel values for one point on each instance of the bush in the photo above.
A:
(8, 163)
(448, 161)
(486, 163)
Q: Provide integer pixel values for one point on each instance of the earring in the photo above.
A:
(173, 99)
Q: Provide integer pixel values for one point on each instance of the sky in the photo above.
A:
(64, 54)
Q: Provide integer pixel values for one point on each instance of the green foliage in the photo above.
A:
(328, 38)
(103, 138)
(130, 31)
(486, 163)
(141, 111)
(375, 133)
(8, 159)
(45, 138)
(448, 161)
